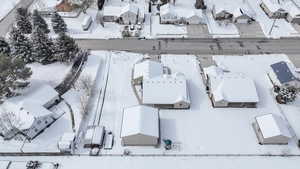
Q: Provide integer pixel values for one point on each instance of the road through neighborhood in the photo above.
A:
(232, 46)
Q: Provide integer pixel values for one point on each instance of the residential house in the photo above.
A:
(271, 129)
(166, 91)
(273, 9)
(284, 74)
(140, 126)
(146, 69)
(128, 14)
(30, 113)
(241, 15)
(227, 89)
(293, 15)
(194, 17)
(168, 15)
(221, 14)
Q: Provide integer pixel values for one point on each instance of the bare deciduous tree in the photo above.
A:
(84, 84)
(8, 122)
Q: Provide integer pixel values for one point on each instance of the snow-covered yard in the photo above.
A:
(53, 74)
(281, 27)
(7, 6)
(201, 129)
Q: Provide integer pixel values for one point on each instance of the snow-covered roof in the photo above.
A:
(166, 89)
(283, 72)
(243, 11)
(68, 137)
(140, 120)
(231, 87)
(272, 125)
(130, 8)
(167, 9)
(292, 9)
(42, 95)
(45, 5)
(25, 112)
(119, 10)
(148, 69)
(273, 5)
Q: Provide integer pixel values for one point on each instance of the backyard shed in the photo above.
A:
(140, 126)
(271, 129)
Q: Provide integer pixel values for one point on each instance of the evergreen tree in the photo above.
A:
(4, 47)
(21, 46)
(200, 4)
(58, 24)
(42, 46)
(13, 72)
(66, 48)
(39, 21)
(22, 21)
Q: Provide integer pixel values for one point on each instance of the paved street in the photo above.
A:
(7, 21)
(198, 46)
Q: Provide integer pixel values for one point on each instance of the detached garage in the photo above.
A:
(271, 129)
(140, 126)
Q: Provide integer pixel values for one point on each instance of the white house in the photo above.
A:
(167, 91)
(271, 129)
(284, 74)
(293, 15)
(273, 9)
(243, 15)
(227, 89)
(30, 118)
(128, 14)
(140, 126)
(194, 17)
(31, 114)
(146, 69)
(168, 15)
(220, 13)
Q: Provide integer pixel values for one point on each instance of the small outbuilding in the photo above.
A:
(140, 126)
(271, 129)
(284, 74)
(273, 9)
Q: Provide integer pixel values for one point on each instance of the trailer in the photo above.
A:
(94, 137)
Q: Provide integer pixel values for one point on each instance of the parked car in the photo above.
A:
(87, 22)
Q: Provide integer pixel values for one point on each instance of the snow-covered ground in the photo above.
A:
(7, 6)
(167, 162)
(281, 27)
(201, 129)
(167, 30)
(52, 74)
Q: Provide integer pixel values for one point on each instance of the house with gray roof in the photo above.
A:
(283, 74)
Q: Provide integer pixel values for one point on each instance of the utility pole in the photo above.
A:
(272, 27)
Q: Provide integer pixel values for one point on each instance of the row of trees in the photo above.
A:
(29, 40)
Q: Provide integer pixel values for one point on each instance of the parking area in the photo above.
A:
(197, 31)
(250, 30)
